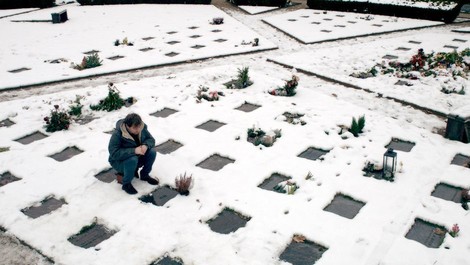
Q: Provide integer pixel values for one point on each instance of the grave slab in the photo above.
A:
(146, 49)
(66, 154)
(228, 221)
(165, 112)
(168, 147)
(148, 38)
(19, 70)
(344, 206)
(91, 236)
(400, 145)
(84, 120)
(47, 206)
(6, 123)
(7, 178)
(168, 261)
(248, 107)
(114, 58)
(173, 42)
(198, 46)
(210, 125)
(107, 175)
(313, 153)
(302, 253)
(159, 196)
(36, 136)
(428, 234)
(272, 181)
(448, 192)
(171, 54)
(215, 162)
(461, 160)
(390, 57)
(91, 52)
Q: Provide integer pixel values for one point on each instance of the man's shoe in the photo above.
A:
(129, 189)
(150, 180)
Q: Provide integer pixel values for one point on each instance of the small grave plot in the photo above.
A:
(173, 42)
(146, 49)
(195, 36)
(198, 46)
(313, 153)
(90, 236)
(165, 112)
(7, 178)
(215, 162)
(451, 47)
(248, 107)
(344, 206)
(107, 175)
(448, 192)
(6, 123)
(36, 136)
(168, 261)
(91, 52)
(459, 40)
(114, 58)
(377, 25)
(400, 145)
(19, 70)
(193, 27)
(66, 154)
(414, 42)
(171, 54)
(220, 40)
(461, 160)
(46, 206)
(171, 32)
(228, 221)
(403, 49)
(210, 125)
(216, 30)
(159, 196)
(148, 38)
(168, 147)
(302, 251)
(84, 120)
(390, 57)
(272, 182)
(325, 30)
(426, 233)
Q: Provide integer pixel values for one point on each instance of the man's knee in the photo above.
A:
(131, 161)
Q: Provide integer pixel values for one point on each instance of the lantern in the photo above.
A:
(389, 164)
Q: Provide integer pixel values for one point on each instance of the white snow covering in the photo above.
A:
(463, 30)
(253, 10)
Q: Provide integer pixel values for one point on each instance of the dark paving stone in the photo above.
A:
(390, 57)
(193, 27)
(459, 40)
(325, 30)
(216, 30)
(448, 192)
(173, 42)
(47, 206)
(7, 178)
(400, 145)
(168, 261)
(168, 147)
(377, 25)
(461, 160)
(414, 42)
(344, 206)
(215, 162)
(66, 154)
(195, 36)
(302, 253)
(165, 112)
(146, 49)
(340, 15)
(305, 16)
(426, 233)
(272, 181)
(403, 49)
(117, 57)
(248, 107)
(228, 221)
(19, 70)
(107, 175)
(171, 54)
(91, 52)
(6, 123)
(91, 236)
(451, 47)
(84, 120)
(198, 46)
(172, 32)
(159, 196)
(148, 38)
(211, 125)
(36, 136)
(313, 153)
(220, 40)
(403, 83)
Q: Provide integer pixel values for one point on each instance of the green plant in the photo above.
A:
(76, 108)
(58, 121)
(243, 79)
(112, 102)
(89, 61)
(357, 125)
(4, 149)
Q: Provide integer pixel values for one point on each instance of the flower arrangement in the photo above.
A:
(287, 186)
(125, 42)
(217, 21)
(183, 183)
(257, 136)
(112, 102)
(76, 108)
(454, 232)
(465, 195)
(288, 89)
(89, 61)
(203, 93)
(58, 121)
(242, 81)
(253, 43)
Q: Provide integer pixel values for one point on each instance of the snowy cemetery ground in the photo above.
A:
(255, 10)
(163, 34)
(10, 12)
(232, 215)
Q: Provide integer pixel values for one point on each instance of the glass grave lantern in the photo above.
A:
(389, 164)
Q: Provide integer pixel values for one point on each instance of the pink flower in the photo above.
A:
(456, 228)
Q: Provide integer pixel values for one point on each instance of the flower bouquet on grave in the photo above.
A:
(257, 136)
(217, 21)
(288, 90)
(465, 198)
(204, 93)
(183, 184)
(454, 232)
(58, 121)
(287, 186)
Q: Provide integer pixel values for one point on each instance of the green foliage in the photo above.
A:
(89, 61)
(357, 125)
(112, 102)
(255, 132)
(58, 121)
(243, 79)
(76, 108)
(4, 149)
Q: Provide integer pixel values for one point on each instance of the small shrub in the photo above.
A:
(76, 107)
(257, 136)
(357, 125)
(465, 195)
(89, 61)
(58, 121)
(183, 183)
(112, 102)
(242, 81)
(288, 89)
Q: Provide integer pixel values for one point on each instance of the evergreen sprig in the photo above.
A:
(357, 125)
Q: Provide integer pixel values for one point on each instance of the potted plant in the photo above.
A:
(183, 183)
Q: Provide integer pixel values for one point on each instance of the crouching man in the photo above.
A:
(132, 147)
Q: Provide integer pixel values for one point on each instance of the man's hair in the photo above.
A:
(133, 119)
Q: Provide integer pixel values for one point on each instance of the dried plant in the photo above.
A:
(183, 183)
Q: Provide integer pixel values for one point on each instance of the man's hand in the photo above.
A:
(141, 150)
(144, 149)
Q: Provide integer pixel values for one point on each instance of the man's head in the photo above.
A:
(133, 123)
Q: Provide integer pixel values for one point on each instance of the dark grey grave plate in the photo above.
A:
(377, 25)
(84, 120)
(6, 123)
(19, 70)
(451, 47)
(305, 16)
(340, 26)
(248, 107)
(193, 27)
(344, 206)
(168, 147)
(313, 153)
(352, 22)
(215, 162)
(211, 125)
(227, 221)
(390, 57)
(167, 261)
(198, 46)
(272, 181)
(303, 253)
(459, 40)
(117, 57)
(171, 54)
(216, 30)
(36, 136)
(403, 49)
(148, 38)
(426, 233)
(220, 40)
(340, 15)
(195, 36)
(107, 175)
(448, 192)
(402, 83)
(66, 154)
(325, 30)
(414, 42)
(292, 20)
(173, 42)
(47, 206)
(94, 235)
(172, 32)
(327, 19)
(146, 49)
(316, 23)
(165, 112)
(385, 21)
(6, 178)
(461, 160)
(400, 145)
(91, 52)
(159, 196)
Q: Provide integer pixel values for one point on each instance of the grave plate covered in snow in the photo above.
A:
(461, 160)
(165, 112)
(400, 145)
(66, 154)
(168, 261)
(210, 125)
(313, 153)
(107, 175)
(6, 123)
(448, 192)
(91, 235)
(36, 136)
(168, 147)
(160, 196)
(428, 234)
(6, 178)
(301, 252)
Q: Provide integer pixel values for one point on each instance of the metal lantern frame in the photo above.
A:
(389, 164)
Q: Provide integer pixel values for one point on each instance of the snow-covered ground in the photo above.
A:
(10, 12)
(253, 10)
(145, 233)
